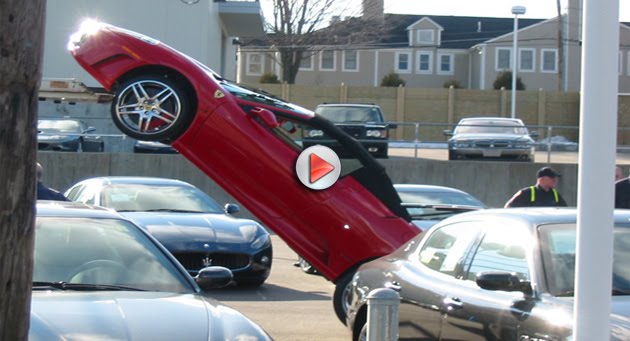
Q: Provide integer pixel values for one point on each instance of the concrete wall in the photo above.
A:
(490, 181)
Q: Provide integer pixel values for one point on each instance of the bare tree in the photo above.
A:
(293, 30)
(21, 49)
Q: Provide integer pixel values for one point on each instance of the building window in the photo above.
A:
(306, 63)
(549, 60)
(425, 61)
(254, 64)
(350, 61)
(327, 60)
(425, 36)
(504, 59)
(445, 66)
(403, 62)
(526, 60)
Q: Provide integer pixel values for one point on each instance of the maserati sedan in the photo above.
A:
(248, 142)
(98, 276)
(190, 224)
(497, 274)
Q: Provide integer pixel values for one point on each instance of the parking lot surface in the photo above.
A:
(291, 305)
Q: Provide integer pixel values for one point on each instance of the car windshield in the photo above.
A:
(261, 97)
(431, 197)
(558, 245)
(350, 114)
(140, 197)
(62, 126)
(490, 127)
(109, 252)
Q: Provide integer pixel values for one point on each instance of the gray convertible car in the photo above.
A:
(98, 276)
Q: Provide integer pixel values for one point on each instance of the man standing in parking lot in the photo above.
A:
(543, 193)
(44, 192)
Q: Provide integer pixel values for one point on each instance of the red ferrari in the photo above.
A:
(248, 142)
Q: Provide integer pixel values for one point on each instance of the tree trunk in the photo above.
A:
(21, 50)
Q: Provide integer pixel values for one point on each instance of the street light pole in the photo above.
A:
(516, 10)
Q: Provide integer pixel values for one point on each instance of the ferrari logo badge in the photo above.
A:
(219, 94)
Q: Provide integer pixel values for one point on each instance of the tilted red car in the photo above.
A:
(248, 143)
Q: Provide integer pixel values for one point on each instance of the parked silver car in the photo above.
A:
(491, 138)
(98, 276)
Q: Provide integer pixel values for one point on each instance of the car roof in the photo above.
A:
(50, 208)
(533, 216)
(145, 180)
(504, 119)
(367, 105)
(426, 188)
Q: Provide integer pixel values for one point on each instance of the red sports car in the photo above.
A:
(248, 142)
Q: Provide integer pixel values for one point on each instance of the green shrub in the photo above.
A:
(392, 79)
(453, 82)
(269, 78)
(504, 80)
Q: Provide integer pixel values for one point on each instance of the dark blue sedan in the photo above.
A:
(190, 224)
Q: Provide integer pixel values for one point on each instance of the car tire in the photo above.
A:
(341, 296)
(152, 108)
(101, 147)
(452, 155)
(306, 266)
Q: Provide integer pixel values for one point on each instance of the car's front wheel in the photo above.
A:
(152, 108)
(342, 297)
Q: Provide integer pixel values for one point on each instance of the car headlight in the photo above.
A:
(87, 28)
(261, 241)
(315, 133)
(376, 133)
(522, 144)
(462, 144)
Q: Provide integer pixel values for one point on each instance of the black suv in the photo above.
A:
(364, 122)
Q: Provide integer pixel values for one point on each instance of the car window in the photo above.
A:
(490, 127)
(446, 247)
(501, 250)
(437, 198)
(87, 194)
(102, 251)
(140, 197)
(558, 247)
(350, 114)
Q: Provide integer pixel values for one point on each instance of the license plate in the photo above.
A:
(491, 153)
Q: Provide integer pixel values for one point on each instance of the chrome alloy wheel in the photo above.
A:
(148, 107)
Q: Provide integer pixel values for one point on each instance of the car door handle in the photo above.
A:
(394, 286)
(452, 303)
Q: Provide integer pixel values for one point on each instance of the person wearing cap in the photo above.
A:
(44, 192)
(543, 193)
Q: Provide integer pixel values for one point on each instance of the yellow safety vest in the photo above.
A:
(533, 194)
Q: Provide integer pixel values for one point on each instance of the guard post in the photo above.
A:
(382, 318)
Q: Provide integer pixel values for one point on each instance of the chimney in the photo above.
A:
(373, 9)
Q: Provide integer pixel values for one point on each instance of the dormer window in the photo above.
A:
(425, 36)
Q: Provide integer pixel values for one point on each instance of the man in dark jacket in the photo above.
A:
(44, 192)
(544, 193)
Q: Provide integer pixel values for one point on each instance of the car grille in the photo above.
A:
(195, 260)
(353, 131)
(492, 144)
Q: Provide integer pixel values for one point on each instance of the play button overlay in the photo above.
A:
(318, 167)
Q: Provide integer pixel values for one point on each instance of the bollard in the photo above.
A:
(382, 318)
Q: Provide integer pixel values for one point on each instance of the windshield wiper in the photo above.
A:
(82, 286)
(443, 207)
(172, 210)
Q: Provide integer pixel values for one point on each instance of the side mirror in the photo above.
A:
(534, 133)
(231, 208)
(89, 130)
(503, 281)
(447, 132)
(266, 116)
(392, 125)
(213, 277)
